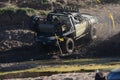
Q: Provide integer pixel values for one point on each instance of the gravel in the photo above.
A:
(65, 76)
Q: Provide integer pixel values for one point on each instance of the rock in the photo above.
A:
(68, 79)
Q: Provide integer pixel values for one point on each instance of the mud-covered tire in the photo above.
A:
(68, 45)
(92, 35)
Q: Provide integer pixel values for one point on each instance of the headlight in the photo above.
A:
(64, 28)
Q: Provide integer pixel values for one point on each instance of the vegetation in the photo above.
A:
(28, 11)
(43, 1)
(33, 6)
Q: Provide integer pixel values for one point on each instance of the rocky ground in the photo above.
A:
(65, 76)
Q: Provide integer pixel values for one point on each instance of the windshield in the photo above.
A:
(61, 22)
(63, 18)
(56, 23)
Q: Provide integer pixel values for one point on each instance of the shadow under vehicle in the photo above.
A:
(62, 27)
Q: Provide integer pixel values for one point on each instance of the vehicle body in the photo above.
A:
(114, 74)
(64, 28)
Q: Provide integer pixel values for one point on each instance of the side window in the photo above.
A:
(78, 19)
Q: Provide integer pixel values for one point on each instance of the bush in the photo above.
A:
(27, 11)
(7, 11)
(43, 1)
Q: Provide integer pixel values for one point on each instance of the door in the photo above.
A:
(80, 27)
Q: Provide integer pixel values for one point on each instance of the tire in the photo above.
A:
(68, 45)
(92, 34)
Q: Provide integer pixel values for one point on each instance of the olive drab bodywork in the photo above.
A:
(63, 27)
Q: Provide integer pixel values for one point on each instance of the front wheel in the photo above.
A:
(68, 45)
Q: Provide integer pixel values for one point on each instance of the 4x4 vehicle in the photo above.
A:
(63, 28)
